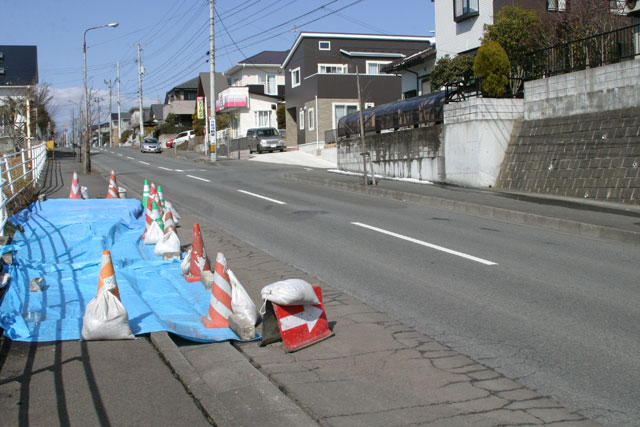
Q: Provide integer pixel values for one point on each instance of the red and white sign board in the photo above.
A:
(302, 325)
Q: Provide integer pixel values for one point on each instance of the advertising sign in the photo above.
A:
(200, 102)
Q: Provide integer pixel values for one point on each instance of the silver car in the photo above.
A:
(264, 139)
(150, 145)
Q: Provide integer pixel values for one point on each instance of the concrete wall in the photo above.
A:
(611, 87)
(414, 153)
(476, 135)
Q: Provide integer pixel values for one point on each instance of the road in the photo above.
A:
(558, 313)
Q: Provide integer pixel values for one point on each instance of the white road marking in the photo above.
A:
(263, 197)
(144, 163)
(177, 170)
(119, 154)
(131, 157)
(196, 177)
(167, 169)
(308, 169)
(429, 245)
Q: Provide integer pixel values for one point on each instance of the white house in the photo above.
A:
(256, 88)
(460, 24)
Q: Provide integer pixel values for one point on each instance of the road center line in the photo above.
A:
(179, 170)
(196, 177)
(119, 154)
(167, 169)
(263, 197)
(422, 243)
(144, 163)
(130, 158)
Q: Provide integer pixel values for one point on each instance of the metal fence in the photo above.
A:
(600, 49)
(19, 171)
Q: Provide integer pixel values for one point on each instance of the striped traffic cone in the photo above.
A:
(145, 193)
(147, 215)
(112, 192)
(75, 187)
(161, 197)
(199, 260)
(169, 224)
(107, 275)
(220, 303)
(153, 221)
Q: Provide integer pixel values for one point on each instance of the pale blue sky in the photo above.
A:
(175, 36)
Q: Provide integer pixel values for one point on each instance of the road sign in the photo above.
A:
(302, 325)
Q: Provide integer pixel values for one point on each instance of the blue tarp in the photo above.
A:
(62, 241)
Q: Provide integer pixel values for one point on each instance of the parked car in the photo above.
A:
(150, 145)
(170, 142)
(264, 139)
(184, 137)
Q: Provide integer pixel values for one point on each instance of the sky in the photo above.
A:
(174, 35)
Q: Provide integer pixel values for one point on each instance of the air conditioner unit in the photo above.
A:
(632, 7)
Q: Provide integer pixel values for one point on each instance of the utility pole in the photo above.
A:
(363, 152)
(108, 82)
(99, 125)
(119, 124)
(140, 71)
(211, 127)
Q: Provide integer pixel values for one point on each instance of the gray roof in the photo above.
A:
(221, 83)
(124, 115)
(189, 84)
(156, 110)
(274, 57)
(20, 65)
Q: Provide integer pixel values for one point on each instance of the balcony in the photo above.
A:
(232, 99)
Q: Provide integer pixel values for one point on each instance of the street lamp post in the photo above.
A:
(87, 142)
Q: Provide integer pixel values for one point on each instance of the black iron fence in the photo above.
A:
(600, 49)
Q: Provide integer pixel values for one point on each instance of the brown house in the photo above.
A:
(320, 79)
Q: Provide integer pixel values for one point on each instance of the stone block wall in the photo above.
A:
(592, 155)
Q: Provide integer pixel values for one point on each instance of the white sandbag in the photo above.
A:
(153, 234)
(84, 192)
(169, 207)
(169, 243)
(241, 302)
(290, 292)
(106, 318)
(185, 265)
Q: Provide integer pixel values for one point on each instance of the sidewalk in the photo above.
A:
(375, 371)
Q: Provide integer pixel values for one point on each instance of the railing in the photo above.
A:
(600, 49)
(18, 171)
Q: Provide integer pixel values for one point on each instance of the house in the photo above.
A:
(157, 114)
(134, 114)
(320, 78)
(181, 101)
(255, 92)
(415, 71)
(204, 88)
(125, 123)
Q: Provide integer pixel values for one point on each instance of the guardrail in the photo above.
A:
(18, 171)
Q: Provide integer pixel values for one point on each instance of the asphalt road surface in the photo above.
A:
(556, 312)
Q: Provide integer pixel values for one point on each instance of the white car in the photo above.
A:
(185, 136)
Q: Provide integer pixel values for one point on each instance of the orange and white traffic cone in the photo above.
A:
(199, 260)
(220, 303)
(169, 223)
(112, 192)
(147, 213)
(75, 187)
(107, 275)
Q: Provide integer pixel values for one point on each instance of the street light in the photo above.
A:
(87, 143)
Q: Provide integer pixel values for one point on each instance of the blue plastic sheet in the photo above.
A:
(62, 241)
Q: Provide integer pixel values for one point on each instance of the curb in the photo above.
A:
(499, 214)
(191, 380)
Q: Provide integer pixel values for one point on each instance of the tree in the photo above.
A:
(222, 120)
(519, 31)
(281, 117)
(492, 65)
(450, 71)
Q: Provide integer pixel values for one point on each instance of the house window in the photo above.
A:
(464, 9)
(312, 119)
(332, 69)
(269, 82)
(324, 45)
(375, 67)
(557, 5)
(301, 119)
(341, 110)
(263, 118)
(295, 77)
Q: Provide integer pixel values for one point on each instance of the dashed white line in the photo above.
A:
(128, 157)
(179, 170)
(263, 197)
(120, 154)
(197, 177)
(422, 243)
(167, 169)
(144, 163)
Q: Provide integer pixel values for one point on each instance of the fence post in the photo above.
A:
(3, 209)
(24, 163)
(9, 180)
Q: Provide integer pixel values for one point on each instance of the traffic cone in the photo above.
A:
(169, 224)
(112, 192)
(145, 193)
(199, 260)
(147, 213)
(107, 275)
(75, 187)
(220, 303)
(161, 197)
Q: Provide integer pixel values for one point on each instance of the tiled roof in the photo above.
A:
(411, 60)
